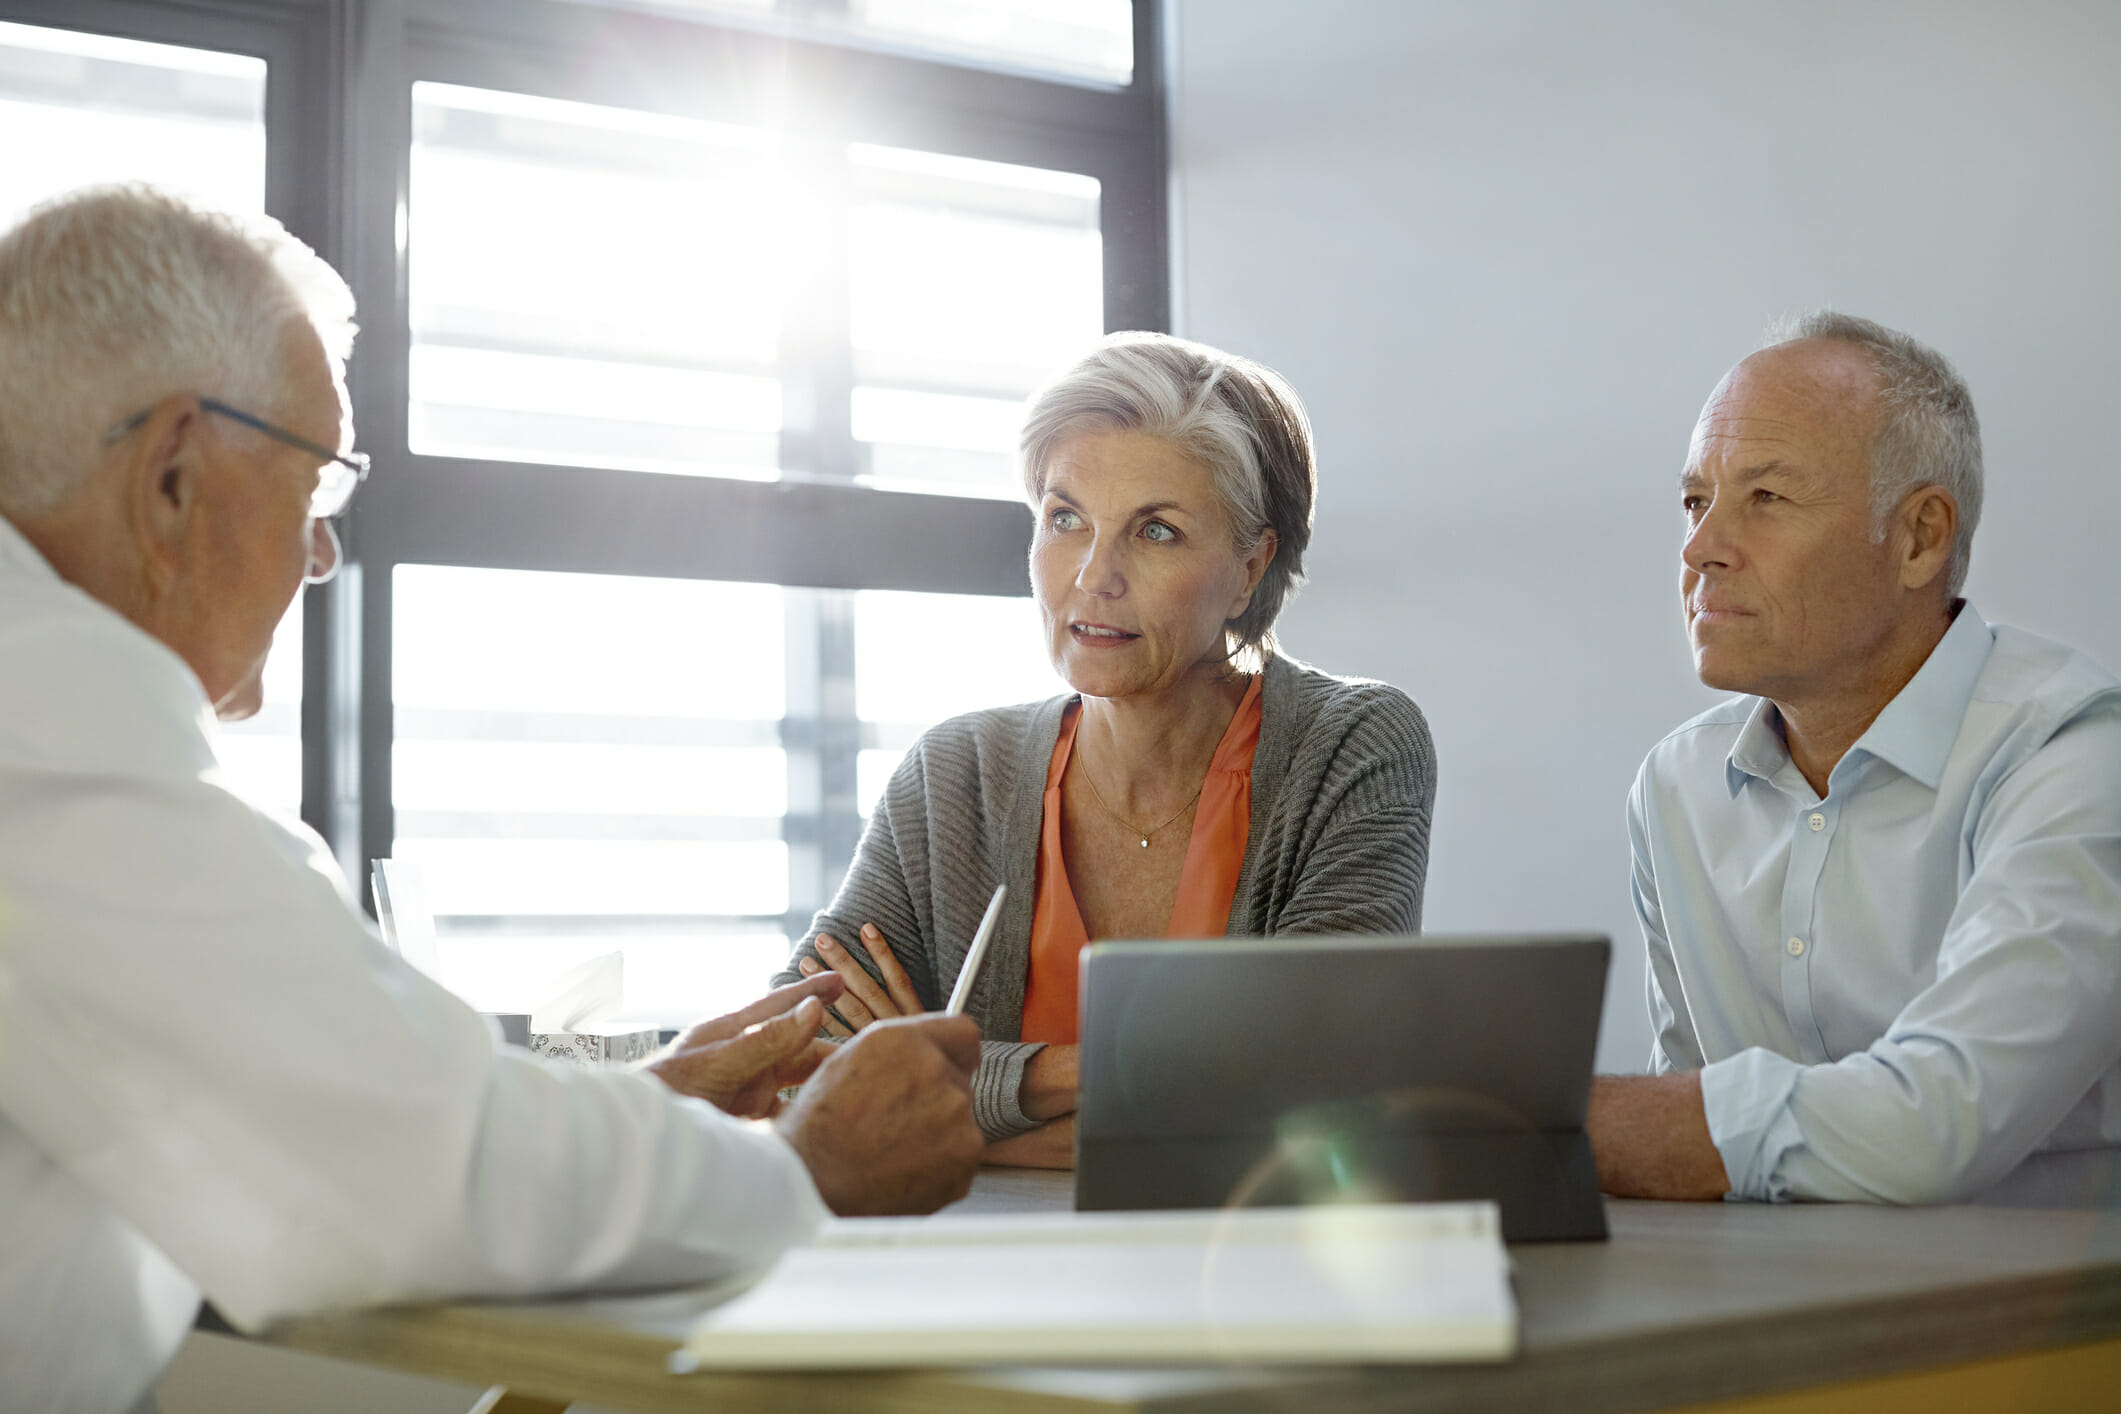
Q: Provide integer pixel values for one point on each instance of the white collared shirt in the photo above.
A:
(214, 1077)
(1898, 992)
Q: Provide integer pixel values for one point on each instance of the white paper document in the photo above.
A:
(1381, 1283)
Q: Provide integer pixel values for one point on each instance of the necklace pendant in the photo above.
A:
(1145, 843)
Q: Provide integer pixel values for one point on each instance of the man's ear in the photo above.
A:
(161, 476)
(1929, 526)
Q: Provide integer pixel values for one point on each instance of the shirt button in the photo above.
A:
(1795, 947)
(1817, 822)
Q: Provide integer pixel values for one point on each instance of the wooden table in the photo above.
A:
(1688, 1304)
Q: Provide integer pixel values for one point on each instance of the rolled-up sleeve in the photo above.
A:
(2023, 1017)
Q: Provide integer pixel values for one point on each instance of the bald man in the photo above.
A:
(1881, 889)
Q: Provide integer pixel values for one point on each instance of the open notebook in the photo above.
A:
(1339, 1284)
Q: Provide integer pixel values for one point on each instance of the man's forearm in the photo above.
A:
(1651, 1136)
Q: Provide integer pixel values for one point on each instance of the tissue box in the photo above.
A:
(615, 1045)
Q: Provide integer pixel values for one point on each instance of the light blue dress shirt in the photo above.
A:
(1898, 992)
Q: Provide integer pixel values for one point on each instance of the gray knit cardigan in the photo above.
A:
(1343, 783)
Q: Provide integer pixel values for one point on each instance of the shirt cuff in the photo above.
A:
(998, 1088)
(1746, 1099)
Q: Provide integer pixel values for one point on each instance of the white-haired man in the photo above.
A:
(213, 1077)
(1882, 890)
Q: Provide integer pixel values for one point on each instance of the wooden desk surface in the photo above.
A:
(1687, 1303)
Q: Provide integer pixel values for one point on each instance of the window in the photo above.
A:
(77, 109)
(696, 335)
(586, 763)
(912, 670)
(1089, 41)
(592, 286)
(950, 330)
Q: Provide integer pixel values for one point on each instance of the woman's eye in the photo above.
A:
(1157, 531)
(1761, 493)
(1063, 519)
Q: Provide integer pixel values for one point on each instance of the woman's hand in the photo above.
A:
(741, 1062)
(864, 1001)
(1050, 1146)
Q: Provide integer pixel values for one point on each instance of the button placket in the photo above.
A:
(1810, 837)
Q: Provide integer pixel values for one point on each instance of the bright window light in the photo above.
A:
(912, 670)
(590, 763)
(971, 284)
(77, 110)
(594, 286)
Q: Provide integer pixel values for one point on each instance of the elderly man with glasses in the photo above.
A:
(213, 1077)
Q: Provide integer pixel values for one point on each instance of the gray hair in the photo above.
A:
(114, 298)
(1238, 418)
(1927, 433)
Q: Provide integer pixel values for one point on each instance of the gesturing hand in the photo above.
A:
(741, 1062)
(885, 1126)
(864, 1001)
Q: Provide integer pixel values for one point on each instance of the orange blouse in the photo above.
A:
(1207, 882)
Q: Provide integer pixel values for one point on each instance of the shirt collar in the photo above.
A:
(1915, 732)
(1759, 750)
(18, 556)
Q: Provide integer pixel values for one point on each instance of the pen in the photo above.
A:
(976, 954)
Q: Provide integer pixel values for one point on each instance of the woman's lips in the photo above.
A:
(1101, 635)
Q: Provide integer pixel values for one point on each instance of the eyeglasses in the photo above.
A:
(337, 476)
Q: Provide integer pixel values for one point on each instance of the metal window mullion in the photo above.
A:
(817, 445)
(379, 143)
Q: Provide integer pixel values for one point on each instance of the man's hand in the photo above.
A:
(886, 1125)
(864, 1001)
(1651, 1136)
(742, 1062)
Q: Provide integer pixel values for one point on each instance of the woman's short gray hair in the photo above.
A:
(1238, 418)
(114, 298)
(1927, 433)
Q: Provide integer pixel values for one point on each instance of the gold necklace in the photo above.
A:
(1132, 828)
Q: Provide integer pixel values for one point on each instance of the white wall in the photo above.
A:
(1506, 249)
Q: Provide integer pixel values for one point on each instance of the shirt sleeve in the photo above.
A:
(197, 1024)
(2023, 1017)
(1675, 1046)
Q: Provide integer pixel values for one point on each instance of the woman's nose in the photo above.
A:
(1100, 573)
(323, 552)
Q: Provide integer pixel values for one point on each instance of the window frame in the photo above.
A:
(338, 142)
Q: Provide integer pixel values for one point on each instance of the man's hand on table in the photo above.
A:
(1651, 1136)
(741, 1062)
(886, 1124)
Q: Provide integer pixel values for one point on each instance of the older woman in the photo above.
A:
(1196, 782)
